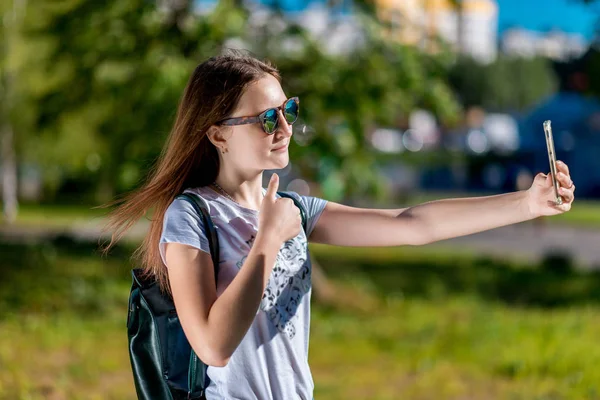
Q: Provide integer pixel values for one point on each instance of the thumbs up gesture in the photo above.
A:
(278, 217)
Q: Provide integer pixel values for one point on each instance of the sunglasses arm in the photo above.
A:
(240, 121)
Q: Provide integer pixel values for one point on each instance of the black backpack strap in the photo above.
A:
(197, 377)
(299, 205)
(202, 209)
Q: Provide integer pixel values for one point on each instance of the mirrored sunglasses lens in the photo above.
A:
(270, 120)
(291, 111)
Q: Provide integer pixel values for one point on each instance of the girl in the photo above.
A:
(252, 330)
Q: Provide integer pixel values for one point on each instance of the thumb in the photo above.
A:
(541, 178)
(548, 180)
(272, 188)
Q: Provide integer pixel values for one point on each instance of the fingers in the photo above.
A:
(562, 167)
(564, 180)
(567, 189)
(564, 207)
(567, 194)
(272, 188)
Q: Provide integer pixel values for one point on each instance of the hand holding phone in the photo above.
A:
(552, 159)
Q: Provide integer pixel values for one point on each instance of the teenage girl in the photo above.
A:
(252, 330)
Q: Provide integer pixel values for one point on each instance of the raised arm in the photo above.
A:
(442, 219)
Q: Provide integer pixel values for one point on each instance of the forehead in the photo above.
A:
(260, 95)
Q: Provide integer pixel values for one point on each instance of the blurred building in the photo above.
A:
(472, 30)
(556, 45)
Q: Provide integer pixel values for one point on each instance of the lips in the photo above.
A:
(280, 147)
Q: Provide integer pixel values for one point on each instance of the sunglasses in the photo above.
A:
(269, 119)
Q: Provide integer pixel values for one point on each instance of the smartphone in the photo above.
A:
(552, 159)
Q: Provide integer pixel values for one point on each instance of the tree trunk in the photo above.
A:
(9, 174)
(7, 142)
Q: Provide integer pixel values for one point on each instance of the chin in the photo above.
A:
(282, 161)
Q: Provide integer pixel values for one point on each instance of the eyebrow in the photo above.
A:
(258, 111)
(275, 106)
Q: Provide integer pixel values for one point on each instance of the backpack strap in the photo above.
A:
(197, 377)
(202, 209)
(298, 204)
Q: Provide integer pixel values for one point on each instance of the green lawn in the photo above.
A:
(456, 348)
(432, 326)
(583, 213)
(57, 215)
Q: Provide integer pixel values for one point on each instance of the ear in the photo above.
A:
(217, 137)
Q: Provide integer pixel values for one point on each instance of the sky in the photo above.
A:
(541, 15)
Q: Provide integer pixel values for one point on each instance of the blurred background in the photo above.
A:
(403, 101)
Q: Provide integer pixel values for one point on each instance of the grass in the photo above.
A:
(584, 213)
(437, 326)
(443, 272)
(454, 349)
(57, 215)
(62, 333)
(64, 356)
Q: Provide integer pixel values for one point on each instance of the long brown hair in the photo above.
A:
(188, 158)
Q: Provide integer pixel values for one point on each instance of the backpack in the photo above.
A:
(163, 363)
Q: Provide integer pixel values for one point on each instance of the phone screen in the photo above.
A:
(552, 158)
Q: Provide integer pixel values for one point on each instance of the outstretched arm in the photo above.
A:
(429, 222)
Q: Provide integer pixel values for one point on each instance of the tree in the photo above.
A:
(118, 67)
(11, 16)
(113, 72)
(508, 84)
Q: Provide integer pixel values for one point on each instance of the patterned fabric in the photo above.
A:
(271, 362)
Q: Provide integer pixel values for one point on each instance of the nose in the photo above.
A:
(283, 126)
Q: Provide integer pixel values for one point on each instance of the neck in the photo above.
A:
(245, 191)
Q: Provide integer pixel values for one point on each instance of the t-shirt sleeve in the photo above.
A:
(314, 208)
(182, 224)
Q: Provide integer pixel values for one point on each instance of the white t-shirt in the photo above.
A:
(271, 362)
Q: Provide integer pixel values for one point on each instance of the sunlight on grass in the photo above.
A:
(458, 348)
(71, 356)
(58, 215)
(468, 337)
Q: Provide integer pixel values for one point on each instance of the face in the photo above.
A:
(249, 147)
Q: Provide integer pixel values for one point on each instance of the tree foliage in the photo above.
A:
(508, 84)
(105, 78)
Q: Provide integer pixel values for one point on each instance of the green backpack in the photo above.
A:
(163, 363)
